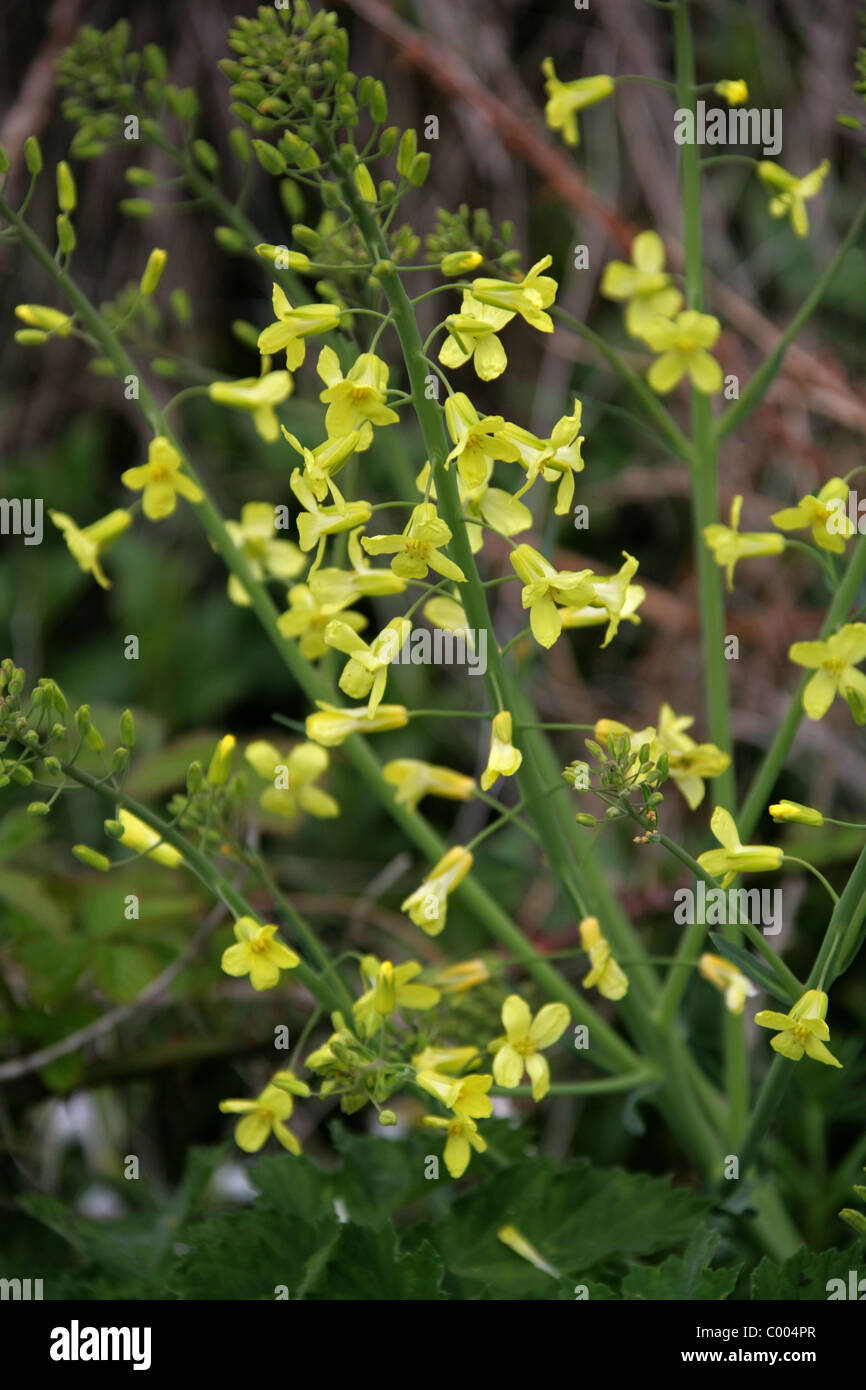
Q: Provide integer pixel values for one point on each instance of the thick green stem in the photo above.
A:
(705, 512)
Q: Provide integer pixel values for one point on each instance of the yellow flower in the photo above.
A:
(790, 193)
(477, 441)
(560, 456)
(734, 91)
(802, 1029)
(359, 397)
(591, 616)
(611, 595)
(258, 954)
(308, 615)
(140, 837)
(734, 858)
(415, 779)
(644, 285)
(463, 1136)
(254, 537)
(258, 395)
(726, 977)
(784, 811)
(326, 459)
(417, 548)
(366, 671)
(683, 344)
(729, 544)
(504, 759)
(465, 1096)
(390, 989)
(293, 326)
(689, 762)
(610, 978)
(161, 480)
(472, 333)
(834, 663)
(292, 779)
(544, 588)
(267, 1115)
(315, 522)
(87, 543)
(332, 726)
(446, 1059)
(492, 505)
(565, 99)
(528, 297)
(428, 905)
(458, 978)
(825, 514)
(524, 1038)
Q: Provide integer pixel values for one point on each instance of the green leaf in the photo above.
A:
(28, 895)
(574, 1217)
(378, 1176)
(121, 970)
(805, 1275)
(367, 1265)
(683, 1277)
(53, 965)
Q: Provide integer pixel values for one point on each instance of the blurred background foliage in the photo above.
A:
(151, 1085)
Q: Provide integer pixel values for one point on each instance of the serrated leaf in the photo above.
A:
(367, 1265)
(574, 1217)
(683, 1277)
(804, 1276)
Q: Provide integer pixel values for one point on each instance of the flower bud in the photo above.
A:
(33, 155)
(66, 195)
(387, 1117)
(92, 858)
(153, 271)
(460, 262)
(792, 811)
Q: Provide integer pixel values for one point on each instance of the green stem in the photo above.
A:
(705, 512)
